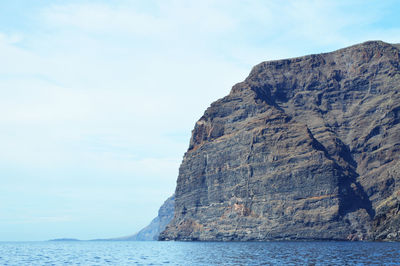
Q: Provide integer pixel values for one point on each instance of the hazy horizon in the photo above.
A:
(99, 98)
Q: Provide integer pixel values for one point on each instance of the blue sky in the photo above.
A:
(98, 98)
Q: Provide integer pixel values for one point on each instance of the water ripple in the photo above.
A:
(198, 253)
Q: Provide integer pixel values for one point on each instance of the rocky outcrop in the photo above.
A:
(304, 149)
(157, 225)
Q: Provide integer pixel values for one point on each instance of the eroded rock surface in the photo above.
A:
(304, 149)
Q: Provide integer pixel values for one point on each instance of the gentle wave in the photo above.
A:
(198, 253)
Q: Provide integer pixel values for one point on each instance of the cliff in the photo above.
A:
(303, 149)
(156, 226)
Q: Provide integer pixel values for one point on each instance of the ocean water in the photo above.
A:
(199, 253)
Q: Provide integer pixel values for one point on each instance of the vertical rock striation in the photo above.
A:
(304, 149)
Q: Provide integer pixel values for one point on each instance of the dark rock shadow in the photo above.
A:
(353, 197)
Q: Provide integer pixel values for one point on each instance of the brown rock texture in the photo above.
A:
(303, 149)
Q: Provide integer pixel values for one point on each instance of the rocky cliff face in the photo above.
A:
(157, 225)
(305, 149)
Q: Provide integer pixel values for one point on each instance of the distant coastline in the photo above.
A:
(64, 239)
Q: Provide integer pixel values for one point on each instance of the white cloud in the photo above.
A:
(10, 39)
(102, 18)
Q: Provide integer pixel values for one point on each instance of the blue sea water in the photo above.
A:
(198, 253)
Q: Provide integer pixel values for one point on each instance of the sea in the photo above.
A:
(198, 253)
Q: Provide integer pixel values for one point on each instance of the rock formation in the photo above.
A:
(303, 149)
(157, 225)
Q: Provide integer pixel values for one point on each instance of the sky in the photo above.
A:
(98, 98)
